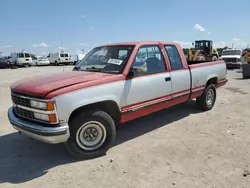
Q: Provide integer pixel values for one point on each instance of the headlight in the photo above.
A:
(51, 118)
(49, 106)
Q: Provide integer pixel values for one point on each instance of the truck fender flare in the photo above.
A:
(211, 79)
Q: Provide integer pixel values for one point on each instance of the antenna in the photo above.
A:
(61, 41)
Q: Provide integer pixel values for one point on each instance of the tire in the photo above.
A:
(207, 100)
(201, 57)
(36, 64)
(80, 132)
(56, 63)
(214, 58)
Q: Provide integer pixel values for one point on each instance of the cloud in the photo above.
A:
(236, 39)
(83, 43)
(62, 48)
(184, 44)
(83, 16)
(40, 45)
(6, 46)
(198, 27)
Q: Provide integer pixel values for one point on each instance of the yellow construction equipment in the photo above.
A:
(203, 51)
(246, 54)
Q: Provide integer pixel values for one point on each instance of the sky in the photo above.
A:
(44, 26)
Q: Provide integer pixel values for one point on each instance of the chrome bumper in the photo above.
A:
(52, 135)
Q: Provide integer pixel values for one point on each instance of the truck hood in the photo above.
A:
(231, 56)
(40, 86)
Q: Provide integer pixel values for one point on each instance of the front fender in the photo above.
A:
(65, 109)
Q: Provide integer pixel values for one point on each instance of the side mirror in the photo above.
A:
(140, 67)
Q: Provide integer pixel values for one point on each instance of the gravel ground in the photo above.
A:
(177, 147)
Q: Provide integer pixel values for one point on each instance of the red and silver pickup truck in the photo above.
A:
(114, 83)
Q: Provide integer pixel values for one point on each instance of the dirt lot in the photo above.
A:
(177, 147)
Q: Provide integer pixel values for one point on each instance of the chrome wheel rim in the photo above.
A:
(91, 135)
(210, 97)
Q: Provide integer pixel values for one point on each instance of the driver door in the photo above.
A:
(147, 91)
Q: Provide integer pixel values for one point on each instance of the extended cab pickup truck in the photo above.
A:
(114, 83)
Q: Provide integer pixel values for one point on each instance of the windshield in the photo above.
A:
(66, 55)
(61, 55)
(231, 52)
(42, 58)
(21, 55)
(107, 59)
(27, 55)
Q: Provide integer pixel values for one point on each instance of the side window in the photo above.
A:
(174, 57)
(152, 56)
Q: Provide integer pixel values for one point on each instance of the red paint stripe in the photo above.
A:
(151, 109)
(199, 88)
(155, 100)
(206, 64)
(180, 93)
(161, 99)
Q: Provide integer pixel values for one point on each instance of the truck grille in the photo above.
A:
(20, 100)
(23, 113)
(230, 60)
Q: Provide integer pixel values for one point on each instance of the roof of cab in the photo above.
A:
(139, 43)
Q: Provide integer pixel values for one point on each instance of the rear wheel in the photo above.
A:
(91, 134)
(207, 100)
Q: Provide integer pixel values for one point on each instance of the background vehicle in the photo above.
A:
(60, 58)
(114, 83)
(40, 60)
(21, 59)
(77, 57)
(4, 63)
(203, 51)
(233, 58)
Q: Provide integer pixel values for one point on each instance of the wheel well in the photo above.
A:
(212, 81)
(108, 106)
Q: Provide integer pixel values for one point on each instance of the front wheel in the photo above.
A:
(207, 100)
(91, 134)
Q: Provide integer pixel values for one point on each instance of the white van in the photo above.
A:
(233, 57)
(60, 58)
(21, 59)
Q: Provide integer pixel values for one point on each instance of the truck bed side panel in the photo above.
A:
(203, 72)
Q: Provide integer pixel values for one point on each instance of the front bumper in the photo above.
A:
(52, 135)
(233, 65)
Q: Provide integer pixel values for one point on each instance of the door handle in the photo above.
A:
(167, 79)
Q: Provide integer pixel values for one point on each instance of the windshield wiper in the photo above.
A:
(94, 69)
